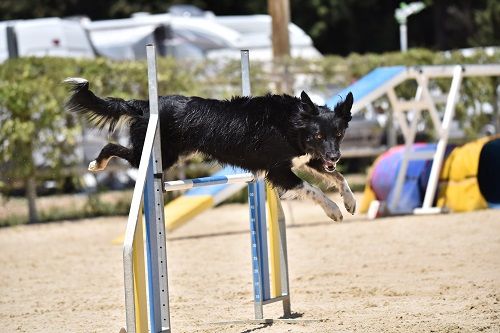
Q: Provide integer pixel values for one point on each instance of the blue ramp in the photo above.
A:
(367, 84)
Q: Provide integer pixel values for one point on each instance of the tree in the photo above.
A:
(38, 138)
(35, 132)
(487, 22)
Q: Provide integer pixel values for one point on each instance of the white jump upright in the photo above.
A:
(145, 267)
(444, 131)
(148, 187)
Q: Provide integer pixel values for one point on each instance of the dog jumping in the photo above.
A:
(270, 135)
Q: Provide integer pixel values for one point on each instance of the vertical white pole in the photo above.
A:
(245, 73)
(443, 137)
(403, 37)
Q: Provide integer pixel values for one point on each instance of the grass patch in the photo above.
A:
(111, 203)
(73, 207)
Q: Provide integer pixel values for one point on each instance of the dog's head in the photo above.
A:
(323, 129)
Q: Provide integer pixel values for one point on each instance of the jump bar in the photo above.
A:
(185, 184)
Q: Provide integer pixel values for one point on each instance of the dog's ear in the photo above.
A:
(343, 108)
(308, 105)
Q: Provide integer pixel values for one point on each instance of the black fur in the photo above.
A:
(256, 133)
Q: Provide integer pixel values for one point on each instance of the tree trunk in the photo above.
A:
(31, 197)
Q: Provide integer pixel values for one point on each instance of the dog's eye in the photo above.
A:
(318, 136)
(339, 134)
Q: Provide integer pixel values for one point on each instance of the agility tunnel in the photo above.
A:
(469, 179)
(488, 174)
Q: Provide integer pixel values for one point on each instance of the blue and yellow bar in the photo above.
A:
(200, 198)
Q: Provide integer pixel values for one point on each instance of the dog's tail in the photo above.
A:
(102, 112)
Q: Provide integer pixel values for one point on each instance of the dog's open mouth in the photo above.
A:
(329, 166)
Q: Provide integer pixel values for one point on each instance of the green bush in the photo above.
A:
(32, 104)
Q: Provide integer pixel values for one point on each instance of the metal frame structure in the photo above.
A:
(146, 281)
(423, 101)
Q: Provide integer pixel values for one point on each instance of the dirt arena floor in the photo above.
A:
(402, 274)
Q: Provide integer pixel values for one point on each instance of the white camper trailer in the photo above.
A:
(44, 37)
(193, 36)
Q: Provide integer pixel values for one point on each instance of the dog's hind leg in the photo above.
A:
(284, 178)
(332, 179)
(109, 151)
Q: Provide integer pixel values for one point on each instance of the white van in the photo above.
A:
(53, 37)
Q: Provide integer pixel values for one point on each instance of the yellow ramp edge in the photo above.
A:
(140, 298)
(184, 208)
(181, 210)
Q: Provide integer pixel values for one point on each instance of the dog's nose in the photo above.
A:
(334, 157)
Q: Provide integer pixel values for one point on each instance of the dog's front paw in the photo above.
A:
(349, 202)
(333, 212)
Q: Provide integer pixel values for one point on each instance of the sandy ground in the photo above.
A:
(401, 274)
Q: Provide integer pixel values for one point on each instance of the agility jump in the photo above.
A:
(152, 268)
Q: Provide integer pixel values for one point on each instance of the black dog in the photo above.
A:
(271, 134)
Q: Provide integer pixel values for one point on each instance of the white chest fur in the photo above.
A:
(301, 160)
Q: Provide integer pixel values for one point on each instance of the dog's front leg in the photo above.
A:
(331, 179)
(345, 192)
(315, 194)
(296, 187)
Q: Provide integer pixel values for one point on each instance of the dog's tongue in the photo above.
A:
(329, 166)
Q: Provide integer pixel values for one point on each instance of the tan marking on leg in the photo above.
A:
(315, 194)
(299, 161)
(336, 179)
(94, 166)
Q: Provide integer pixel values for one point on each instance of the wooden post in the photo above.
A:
(280, 14)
